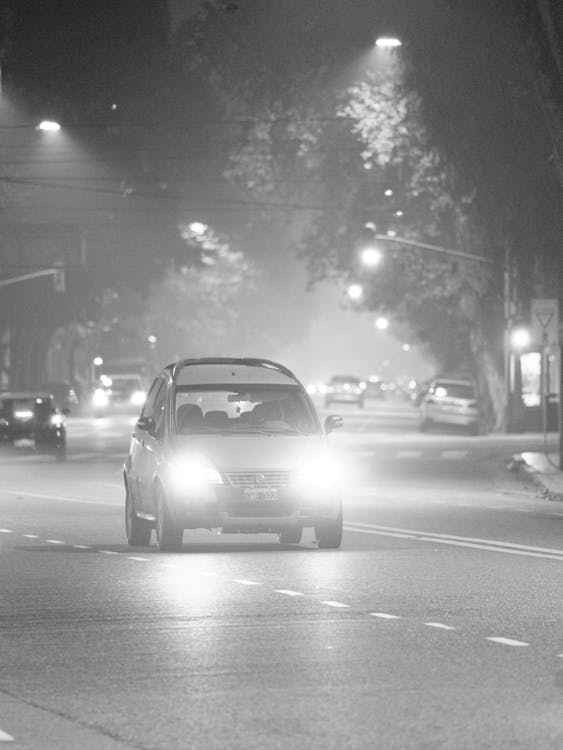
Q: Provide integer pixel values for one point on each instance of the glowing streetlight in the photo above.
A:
(48, 126)
(198, 228)
(97, 361)
(520, 338)
(371, 256)
(355, 292)
(382, 324)
(388, 42)
(406, 347)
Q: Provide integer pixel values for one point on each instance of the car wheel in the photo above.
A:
(329, 533)
(137, 529)
(168, 533)
(290, 536)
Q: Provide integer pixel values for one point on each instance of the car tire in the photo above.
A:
(168, 532)
(290, 536)
(137, 529)
(329, 533)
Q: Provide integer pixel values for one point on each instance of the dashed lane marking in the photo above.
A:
(81, 546)
(453, 454)
(507, 641)
(288, 592)
(439, 625)
(54, 541)
(140, 559)
(337, 605)
(246, 582)
(31, 536)
(60, 498)
(108, 552)
(6, 531)
(385, 616)
(5, 737)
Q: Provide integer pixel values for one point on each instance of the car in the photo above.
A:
(375, 389)
(120, 392)
(63, 393)
(450, 401)
(233, 444)
(32, 415)
(345, 389)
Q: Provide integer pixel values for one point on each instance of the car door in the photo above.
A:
(151, 447)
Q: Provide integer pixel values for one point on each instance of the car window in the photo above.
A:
(454, 390)
(148, 408)
(244, 409)
(158, 410)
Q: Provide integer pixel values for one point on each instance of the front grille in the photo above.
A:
(259, 479)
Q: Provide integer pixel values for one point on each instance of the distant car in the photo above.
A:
(345, 389)
(63, 393)
(32, 415)
(123, 392)
(234, 444)
(450, 401)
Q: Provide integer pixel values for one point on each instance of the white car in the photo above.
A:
(234, 444)
(450, 401)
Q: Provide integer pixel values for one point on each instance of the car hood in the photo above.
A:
(247, 452)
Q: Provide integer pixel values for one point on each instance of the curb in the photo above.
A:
(551, 486)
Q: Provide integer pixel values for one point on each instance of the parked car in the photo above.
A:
(32, 415)
(63, 393)
(450, 402)
(234, 444)
(345, 389)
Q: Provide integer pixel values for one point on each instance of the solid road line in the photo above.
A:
(492, 545)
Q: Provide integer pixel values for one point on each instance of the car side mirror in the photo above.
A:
(333, 422)
(145, 423)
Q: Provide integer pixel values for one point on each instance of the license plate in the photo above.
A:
(264, 494)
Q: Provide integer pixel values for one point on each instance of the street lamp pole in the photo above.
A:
(508, 305)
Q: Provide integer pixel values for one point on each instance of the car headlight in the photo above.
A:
(320, 474)
(138, 397)
(100, 397)
(192, 472)
(56, 420)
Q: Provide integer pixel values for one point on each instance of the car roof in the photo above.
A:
(230, 370)
(24, 394)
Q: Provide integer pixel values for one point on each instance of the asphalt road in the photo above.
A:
(438, 624)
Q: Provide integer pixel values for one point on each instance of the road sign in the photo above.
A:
(545, 321)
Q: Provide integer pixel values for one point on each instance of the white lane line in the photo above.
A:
(140, 559)
(30, 536)
(560, 656)
(338, 605)
(246, 582)
(462, 541)
(439, 625)
(288, 592)
(5, 737)
(507, 641)
(54, 541)
(107, 552)
(6, 531)
(453, 454)
(81, 546)
(60, 498)
(408, 454)
(385, 616)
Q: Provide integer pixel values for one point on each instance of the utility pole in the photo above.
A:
(560, 274)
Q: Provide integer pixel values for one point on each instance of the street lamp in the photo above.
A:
(382, 324)
(520, 338)
(388, 42)
(355, 292)
(371, 256)
(48, 126)
(198, 228)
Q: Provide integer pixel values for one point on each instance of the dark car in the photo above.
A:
(345, 389)
(32, 415)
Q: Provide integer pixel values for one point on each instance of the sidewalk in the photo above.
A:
(542, 470)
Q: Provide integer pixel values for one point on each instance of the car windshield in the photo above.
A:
(243, 410)
(455, 390)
